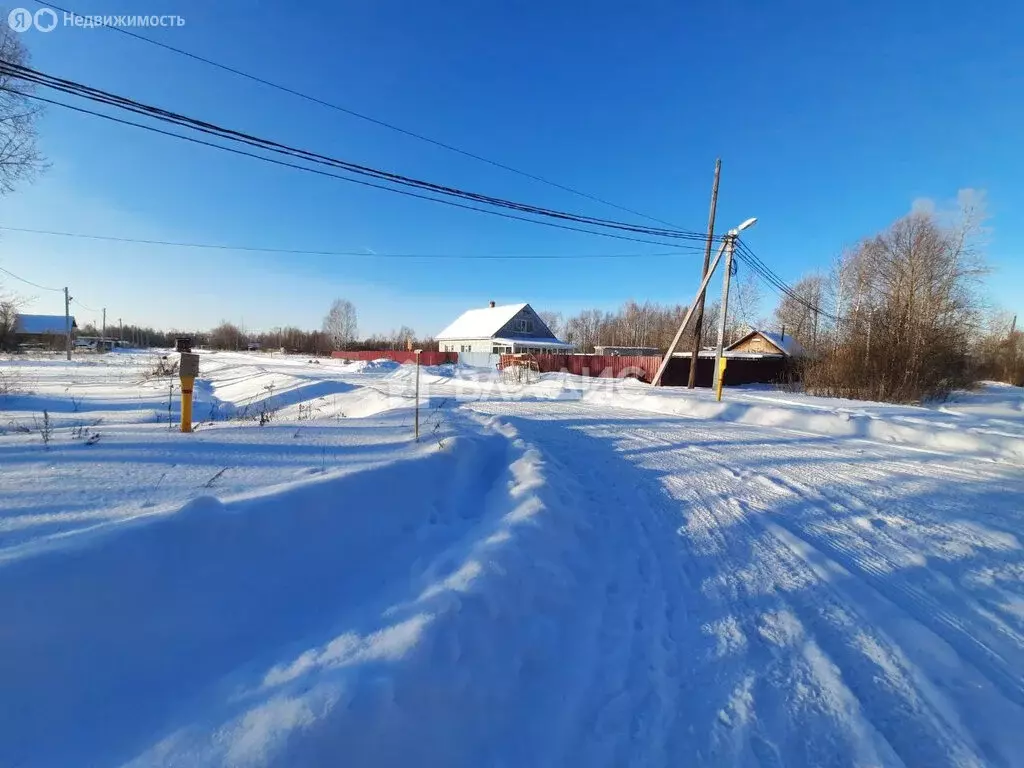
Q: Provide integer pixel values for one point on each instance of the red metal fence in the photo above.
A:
(399, 356)
(642, 367)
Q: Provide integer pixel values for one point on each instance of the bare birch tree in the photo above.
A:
(20, 159)
(8, 320)
(340, 323)
(554, 322)
(799, 315)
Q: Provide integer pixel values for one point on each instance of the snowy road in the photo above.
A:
(552, 582)
(764, 597)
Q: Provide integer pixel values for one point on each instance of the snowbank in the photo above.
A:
(870, 421)
(214, 634)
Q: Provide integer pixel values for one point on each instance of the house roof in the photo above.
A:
(547, 341)
(43, 324)
(480, 323)
(787, 345)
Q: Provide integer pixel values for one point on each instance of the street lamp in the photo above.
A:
(730, 249)
(728, 244)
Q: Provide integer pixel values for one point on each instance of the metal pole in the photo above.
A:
(103, 333)
(67, 322)
(730, 242)
(686, 320)
(418, 394)
(699, 322)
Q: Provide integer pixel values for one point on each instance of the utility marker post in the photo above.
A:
(418, 351)
(188, 370)
(67, 322)
(699, 322)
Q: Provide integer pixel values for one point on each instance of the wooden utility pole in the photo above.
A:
(67, 322)
(692, 382)
(103, 333)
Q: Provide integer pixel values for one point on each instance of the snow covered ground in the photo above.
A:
(568, 572)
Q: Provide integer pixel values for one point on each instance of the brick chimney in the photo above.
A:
(491, 304)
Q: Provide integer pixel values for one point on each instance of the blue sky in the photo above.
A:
(831, 120)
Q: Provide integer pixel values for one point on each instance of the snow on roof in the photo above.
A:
(43, 324)
(787, 344)
(790, 346)
(480, 323)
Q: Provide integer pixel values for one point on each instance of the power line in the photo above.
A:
(354, 254)
(786, 292)
(759, 268)
(84, 306)
(29, 282)
(130, 105)
(318, 172)
(361, 116)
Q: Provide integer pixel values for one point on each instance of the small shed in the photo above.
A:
(768, 344)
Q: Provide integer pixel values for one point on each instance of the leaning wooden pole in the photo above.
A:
(699, 321)
(689, 313)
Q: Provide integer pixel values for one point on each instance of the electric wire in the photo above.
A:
(95, 95)
(29, 282)
(353, 254)
(361, 116)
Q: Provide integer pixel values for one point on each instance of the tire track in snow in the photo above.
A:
(788, 622)
(960, 747)
(924, 606)
(641, 676)
(890, 660)
(748, 732)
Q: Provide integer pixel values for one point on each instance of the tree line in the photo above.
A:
(654, 325)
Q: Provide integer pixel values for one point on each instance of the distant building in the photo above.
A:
(42, 331)
(494, 330)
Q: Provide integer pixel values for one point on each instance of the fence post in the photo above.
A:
(418, 351)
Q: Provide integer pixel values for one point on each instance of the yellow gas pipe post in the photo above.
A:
(188, 370)
(721, 379)
(186, 403)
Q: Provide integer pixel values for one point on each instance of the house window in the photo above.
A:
(524, 325)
